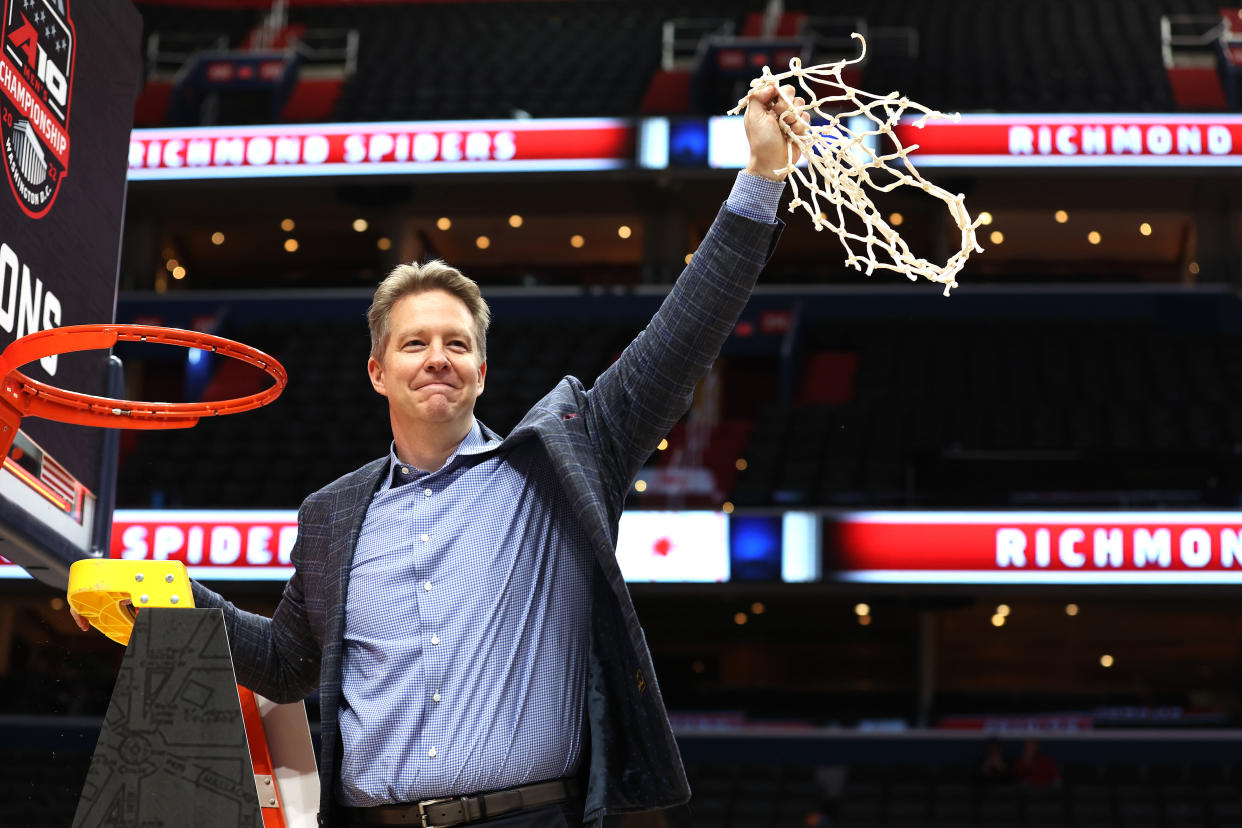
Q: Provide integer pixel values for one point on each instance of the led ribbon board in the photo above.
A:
(1016, 141)
(1077, 141)
(397, 148)
(1035, 547)
(242, 545)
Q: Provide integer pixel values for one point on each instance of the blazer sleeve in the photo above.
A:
(276, 657)
(642, 395)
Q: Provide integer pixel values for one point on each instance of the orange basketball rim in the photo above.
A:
(21, 396)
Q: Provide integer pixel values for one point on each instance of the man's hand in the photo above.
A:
(82, 623)
(768, 143)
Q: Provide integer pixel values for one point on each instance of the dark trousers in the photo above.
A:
(567, 815)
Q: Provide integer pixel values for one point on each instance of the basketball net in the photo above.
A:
(841, 163)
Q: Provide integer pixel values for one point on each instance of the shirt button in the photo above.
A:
(435, 697)
(405, 469)
(432, 753)
(424, 538)
(435, 639)
(427, 492)
(427, 586)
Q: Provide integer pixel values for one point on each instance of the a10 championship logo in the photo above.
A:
(36, 85)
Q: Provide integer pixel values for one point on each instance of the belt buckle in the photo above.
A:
(426, 803)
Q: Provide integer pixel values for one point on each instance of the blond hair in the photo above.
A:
(411, 279)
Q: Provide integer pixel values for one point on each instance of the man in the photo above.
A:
(458, 602)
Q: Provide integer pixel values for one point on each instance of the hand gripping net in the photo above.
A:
(840, 164)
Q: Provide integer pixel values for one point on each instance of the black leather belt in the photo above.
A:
(463, 810)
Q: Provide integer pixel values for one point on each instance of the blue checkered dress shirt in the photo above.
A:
(466, 630)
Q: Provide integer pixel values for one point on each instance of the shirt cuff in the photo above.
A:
(755, 198)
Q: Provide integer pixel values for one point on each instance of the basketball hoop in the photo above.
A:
(21, 396)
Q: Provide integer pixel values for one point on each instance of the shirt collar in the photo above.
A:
(473, 443)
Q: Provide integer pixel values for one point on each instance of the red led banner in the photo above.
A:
(1030, 547)
(234, 545)
(241, 545)
(380, 148)
(221, 545)
(1076, 140)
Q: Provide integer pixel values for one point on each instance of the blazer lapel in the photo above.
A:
(348, 513)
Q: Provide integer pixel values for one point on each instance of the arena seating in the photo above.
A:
(750, 796)
(990, 414)
(1080, 56)
(558, 59)
(431, 61)
(883, 413)
(784, 795)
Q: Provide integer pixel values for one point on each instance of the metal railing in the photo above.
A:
(328, 48)
(169, 53)
(683, 38)
(1189, 34)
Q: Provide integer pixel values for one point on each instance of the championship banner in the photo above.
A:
(398, 148)
(69, 76)
(1075, 141)
(1035, 547)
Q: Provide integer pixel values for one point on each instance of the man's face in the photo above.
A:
(431, 371)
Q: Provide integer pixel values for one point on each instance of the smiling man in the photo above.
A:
(458, 602)
(428, 357)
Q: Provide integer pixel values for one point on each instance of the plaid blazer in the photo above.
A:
(597, 440)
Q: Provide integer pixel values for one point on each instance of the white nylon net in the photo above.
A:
(841, 163)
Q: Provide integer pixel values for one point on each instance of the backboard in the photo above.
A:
(69, 77)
